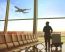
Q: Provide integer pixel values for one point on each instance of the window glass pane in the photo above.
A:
(51, 9)
(24, 25)
(2, 13)
(2, 9)
(1, 25)
(21, 25)
(57, 26)
(21, 4)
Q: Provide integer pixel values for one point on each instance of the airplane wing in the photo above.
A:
(25, 12)
(26, 9)
(16, 10)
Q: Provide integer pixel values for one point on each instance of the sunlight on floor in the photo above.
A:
(42, 48)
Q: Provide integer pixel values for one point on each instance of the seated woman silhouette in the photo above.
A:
(47, 35)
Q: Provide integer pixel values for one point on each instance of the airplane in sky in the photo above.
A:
(21, 10)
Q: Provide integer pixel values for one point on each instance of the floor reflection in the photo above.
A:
(42, 48)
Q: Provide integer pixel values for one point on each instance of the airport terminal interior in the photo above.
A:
(22, 25)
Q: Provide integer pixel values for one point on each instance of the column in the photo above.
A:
(35, 16)
(6, 16)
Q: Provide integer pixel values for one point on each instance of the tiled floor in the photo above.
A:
(63, 48)
(41, 46)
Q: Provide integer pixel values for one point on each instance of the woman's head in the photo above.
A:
(47, 23)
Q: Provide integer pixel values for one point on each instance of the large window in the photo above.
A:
(57, 24)
(46, 9)
(22, 25)
(16, 24)
(21, 4)
(51, 9)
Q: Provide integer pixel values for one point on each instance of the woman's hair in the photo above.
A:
(47, 22)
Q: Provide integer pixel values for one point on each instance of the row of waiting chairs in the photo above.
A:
(16, 41)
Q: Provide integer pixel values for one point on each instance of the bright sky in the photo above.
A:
(46, 8)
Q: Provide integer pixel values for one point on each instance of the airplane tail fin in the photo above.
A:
(16, 7)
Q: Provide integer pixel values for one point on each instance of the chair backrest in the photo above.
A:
(15, 39)
(19, 35)
(30, 38)
(27, 37)
(2, 41)
(9, 41)
(24, 38)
